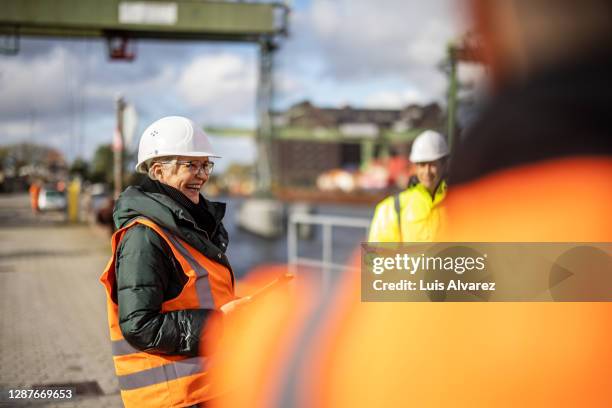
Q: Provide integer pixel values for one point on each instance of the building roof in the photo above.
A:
(305, 114)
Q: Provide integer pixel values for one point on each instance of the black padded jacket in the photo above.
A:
(148, 274)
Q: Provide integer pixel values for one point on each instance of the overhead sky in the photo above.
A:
(364, 53)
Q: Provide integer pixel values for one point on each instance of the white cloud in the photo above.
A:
(41, 86)
(156, 84)
(359, 37)
(13, 131)
(287, 84)
(220, 86)
(355, 43)
(61, 93)
(394, 99)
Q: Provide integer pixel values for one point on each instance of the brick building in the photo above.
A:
(310, 140)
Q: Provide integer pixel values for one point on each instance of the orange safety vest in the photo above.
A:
(34, 193)
(348, 353)
(158, 380)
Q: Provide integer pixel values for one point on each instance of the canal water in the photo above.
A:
(247, 250)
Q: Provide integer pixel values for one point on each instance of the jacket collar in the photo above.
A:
(439, 194)
(160, 208)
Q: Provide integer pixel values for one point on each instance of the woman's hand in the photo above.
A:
(231, 306)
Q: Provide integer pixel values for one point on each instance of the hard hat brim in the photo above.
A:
(425, 159)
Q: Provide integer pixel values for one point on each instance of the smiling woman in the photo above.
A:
(168, 283)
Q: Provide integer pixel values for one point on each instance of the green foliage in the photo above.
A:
(4, 153)
(80, 167)
(102, 165)
(22, 154)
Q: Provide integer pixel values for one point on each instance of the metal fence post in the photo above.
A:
(292, 248)
(327, 255)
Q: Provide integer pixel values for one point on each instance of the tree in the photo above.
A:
(102, 165)
(4, 154)
(80, 167)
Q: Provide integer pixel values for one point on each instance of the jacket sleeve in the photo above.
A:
(385, 226)
(143, 268)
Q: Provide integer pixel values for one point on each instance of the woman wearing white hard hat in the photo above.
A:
(414, 214)
(168, 283)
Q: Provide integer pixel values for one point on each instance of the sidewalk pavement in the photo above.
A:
(53, 326)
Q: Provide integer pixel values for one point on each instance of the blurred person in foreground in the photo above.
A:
(537, 166)
(414, 214)
(168, 283)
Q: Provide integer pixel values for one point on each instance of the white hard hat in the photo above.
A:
(172, 136)
(428, 146)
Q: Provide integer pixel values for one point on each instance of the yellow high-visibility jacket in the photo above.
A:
(420, 216)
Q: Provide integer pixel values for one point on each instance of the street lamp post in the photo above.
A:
(118, 149)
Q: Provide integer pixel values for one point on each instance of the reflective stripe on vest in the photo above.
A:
(202, 285)
(168, 372)
(122, 347)
(156, 380)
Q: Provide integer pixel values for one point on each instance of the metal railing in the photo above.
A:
(327, 222)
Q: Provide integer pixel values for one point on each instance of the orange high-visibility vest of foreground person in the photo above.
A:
(340, 352)
(535, 167)
(34, 195)
(479, 354)
(259, 338)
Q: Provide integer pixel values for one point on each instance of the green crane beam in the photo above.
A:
(172, 19)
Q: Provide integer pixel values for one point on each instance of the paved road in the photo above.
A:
(53, 318)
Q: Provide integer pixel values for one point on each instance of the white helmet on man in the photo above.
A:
(172, 136)
(428, 146)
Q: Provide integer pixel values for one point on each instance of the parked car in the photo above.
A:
(51, 200)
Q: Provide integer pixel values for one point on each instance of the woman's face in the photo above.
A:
(188, 180)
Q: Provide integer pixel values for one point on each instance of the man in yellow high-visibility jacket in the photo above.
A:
(418, 205)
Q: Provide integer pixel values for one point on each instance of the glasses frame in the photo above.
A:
(206, 167)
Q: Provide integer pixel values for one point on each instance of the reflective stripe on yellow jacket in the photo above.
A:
(156, 380)
(420, 216)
